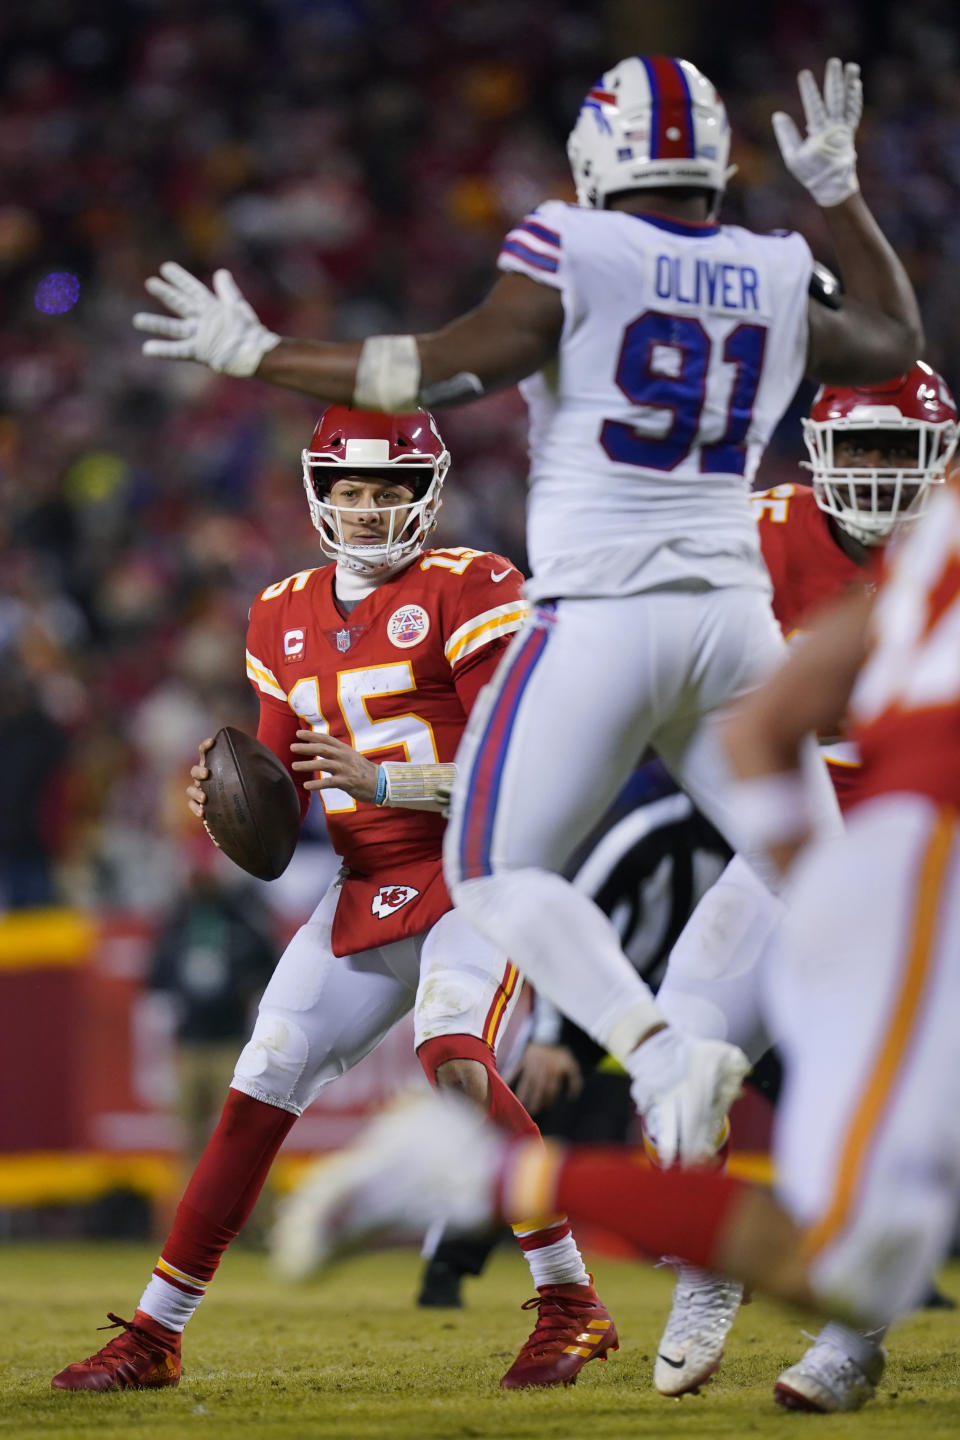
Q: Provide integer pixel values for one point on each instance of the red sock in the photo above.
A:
(662, 1212)
(224, 1187)
(505, 1110)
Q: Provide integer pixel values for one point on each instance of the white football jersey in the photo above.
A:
(682, 346)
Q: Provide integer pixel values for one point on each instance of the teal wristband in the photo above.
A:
(381, 794)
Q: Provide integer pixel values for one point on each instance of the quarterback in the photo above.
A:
(657, 350)
(365, 670)
(867, 1138)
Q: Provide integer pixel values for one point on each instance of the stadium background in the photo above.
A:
(356, 164)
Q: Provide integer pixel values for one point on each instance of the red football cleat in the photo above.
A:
(144, 1357)
(572, 1328)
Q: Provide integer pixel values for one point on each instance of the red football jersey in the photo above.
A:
(905, 706)
(806, 564)
(395, 678)
(807, 568)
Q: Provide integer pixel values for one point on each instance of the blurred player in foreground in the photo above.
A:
(658, 349)
(380, 654)
(876, 452)
(864, 998)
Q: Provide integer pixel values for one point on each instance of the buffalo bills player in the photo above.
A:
(864, 999)
(658, 349)
(365, 670)
(876, 455)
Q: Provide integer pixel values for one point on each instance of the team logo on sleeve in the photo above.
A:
(294, 642)
(408, 626)
(390, 898)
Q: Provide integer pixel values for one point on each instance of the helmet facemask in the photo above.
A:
(869, 502)
(408, 524)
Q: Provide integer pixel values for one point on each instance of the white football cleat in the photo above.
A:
(829, 1378)
(683, 1088)
(691, 1346)
(426, 1161)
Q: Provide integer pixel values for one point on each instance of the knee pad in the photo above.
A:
(453, 1002)
(272, 1063)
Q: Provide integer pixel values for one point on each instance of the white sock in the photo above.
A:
(167, 1302)
(566, 947)
(558, 1264)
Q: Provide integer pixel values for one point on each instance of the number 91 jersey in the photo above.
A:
(682, 346)
(395, 679)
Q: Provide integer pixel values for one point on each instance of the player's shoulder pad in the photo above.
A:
(291, 585)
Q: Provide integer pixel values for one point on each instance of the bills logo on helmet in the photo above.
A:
(293, 643)
(390, 898)
(408, 626)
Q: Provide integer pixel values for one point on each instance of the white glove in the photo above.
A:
(826, 161)
(217, 327)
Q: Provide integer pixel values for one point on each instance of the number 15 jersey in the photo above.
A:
(682, 346)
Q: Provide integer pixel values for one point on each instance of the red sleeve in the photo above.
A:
(490, 609)
(277, 729)
(470, 677)
(278, 725)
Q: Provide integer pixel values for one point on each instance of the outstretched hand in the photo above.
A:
(825, 160)
(217, 327)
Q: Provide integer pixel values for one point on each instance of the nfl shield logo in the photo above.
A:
(343, 640)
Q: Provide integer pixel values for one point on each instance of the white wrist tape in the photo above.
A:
(771, 809)
(388, 374)
(418, 785)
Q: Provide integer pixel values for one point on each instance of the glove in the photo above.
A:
(217, 327)
(826, 161)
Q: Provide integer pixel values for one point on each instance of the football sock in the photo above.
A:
(552, 1254)
(216, 1203)
(661, 1212)
(551, 1250)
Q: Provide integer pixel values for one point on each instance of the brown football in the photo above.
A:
(252, 810)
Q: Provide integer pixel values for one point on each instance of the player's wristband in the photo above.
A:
(416, 785)
(381, 796)
(771, 809)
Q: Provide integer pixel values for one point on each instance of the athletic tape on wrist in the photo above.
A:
(772, 809)
(388, 374)
(408, 784)
(381, 795)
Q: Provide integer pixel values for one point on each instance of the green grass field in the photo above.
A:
(351, 1357)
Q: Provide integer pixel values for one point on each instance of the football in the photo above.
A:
(252, 811)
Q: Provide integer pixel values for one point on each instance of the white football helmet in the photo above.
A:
(651, 122)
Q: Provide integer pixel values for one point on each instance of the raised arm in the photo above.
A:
(876, 332)
(511, 334)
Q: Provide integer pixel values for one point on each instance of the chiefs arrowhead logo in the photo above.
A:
(390, 898)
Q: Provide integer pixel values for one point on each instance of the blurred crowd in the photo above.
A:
(355, 163)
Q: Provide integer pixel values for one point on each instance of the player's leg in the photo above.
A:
(868, 1143)
(466, 996)
(549, 745)
(319, 1015)
(712, 983)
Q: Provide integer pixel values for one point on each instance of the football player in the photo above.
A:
(876, 455)
(867, 1139)
(365, 670)
(658, 349)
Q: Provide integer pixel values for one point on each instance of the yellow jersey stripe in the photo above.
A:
(502, 620)
(869, 1113)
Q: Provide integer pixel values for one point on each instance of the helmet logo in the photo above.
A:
(408, 626)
